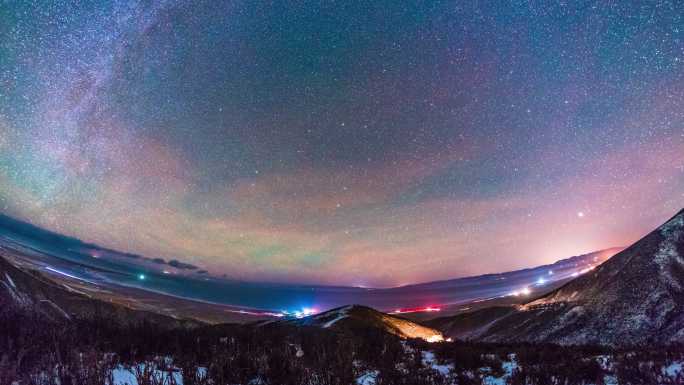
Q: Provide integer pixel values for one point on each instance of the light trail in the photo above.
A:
(68, 275)
(428, 309)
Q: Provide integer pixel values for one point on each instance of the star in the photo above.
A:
(121, 131)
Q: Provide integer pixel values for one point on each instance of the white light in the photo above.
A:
(434, 338)
(580, 214)
(62, 273)
(305, 312)
(526, 291)
(141, 277)
(541, 281)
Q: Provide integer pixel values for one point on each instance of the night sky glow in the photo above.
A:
(374, 143)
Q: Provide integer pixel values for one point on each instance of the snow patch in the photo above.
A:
(71, 289)
(126, 375)
(672, 233)
(341, 314)
(368, 378)
(19, 297)
(509, 367)
(430, 360)
(605, 361)
(673, 369)
(572, 314)
(123, 376)
(9, 280)
(56, 307)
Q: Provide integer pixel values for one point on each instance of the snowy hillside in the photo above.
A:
(635, 297)
(31, 291)
(356, 316)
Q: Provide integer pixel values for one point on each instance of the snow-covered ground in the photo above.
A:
(10, 281)
(367, 378)
(19, 297)
(123, 375)
(508, 366)
(341, 314)
(430, 360)
(163, 371)
(673, 369)
(126, 376)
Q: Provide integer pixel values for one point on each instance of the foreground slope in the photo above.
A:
(31, 291)
(635, 297)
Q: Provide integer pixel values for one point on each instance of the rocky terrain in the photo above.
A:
(636, 297)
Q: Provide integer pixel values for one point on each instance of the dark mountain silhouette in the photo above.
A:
(354, 317)
(30, 291)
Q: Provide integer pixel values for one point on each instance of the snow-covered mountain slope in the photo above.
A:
(30, 291)
(349, 318)
(635, 297)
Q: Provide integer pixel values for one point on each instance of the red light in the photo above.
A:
(427, 309)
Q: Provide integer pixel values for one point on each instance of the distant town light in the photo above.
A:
(434, 338)
(428, 309)
(305, 312)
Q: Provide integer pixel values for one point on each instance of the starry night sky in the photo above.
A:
(354, 143)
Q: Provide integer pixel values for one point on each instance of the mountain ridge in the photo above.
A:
(635, 297)
(352, 317)
(30, 291)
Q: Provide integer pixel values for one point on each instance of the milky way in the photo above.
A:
(373, 143)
